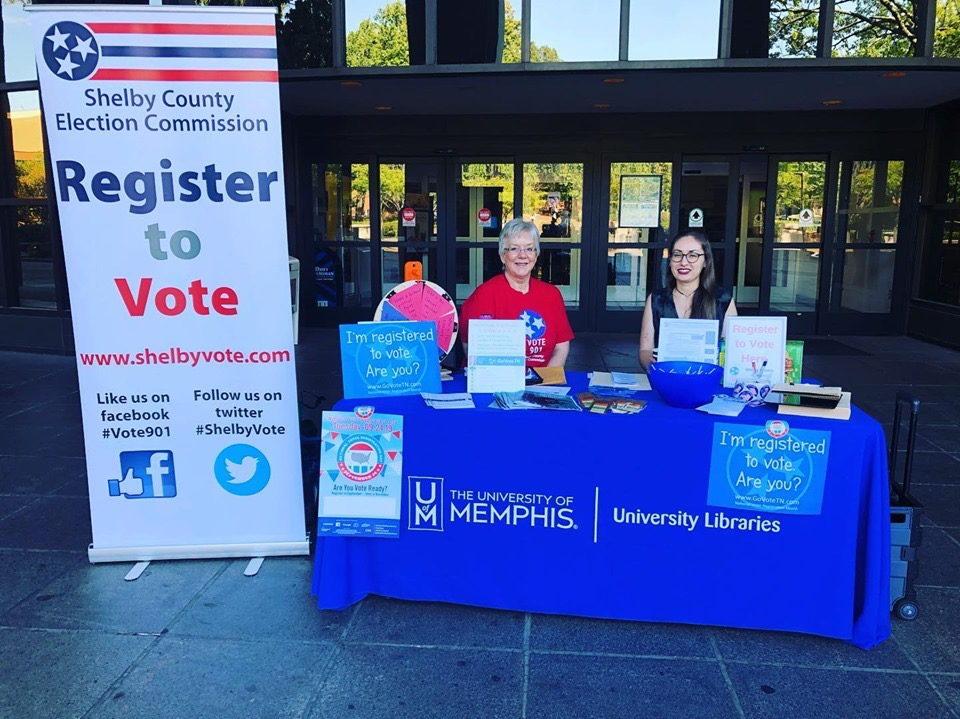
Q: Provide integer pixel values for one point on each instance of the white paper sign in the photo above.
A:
(755, 350)
(496, 356)
(695, 218)
(805, 218)
(164, 133)
(688, 340)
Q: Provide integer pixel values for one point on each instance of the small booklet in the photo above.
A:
(599, 404)
(454, 400)
(723, 405)
(840, 411)
(805, 395)
(621, 381)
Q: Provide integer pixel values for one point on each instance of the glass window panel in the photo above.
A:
(35, 276)
(408, 188)
(553, 199)
(305, 34)
(18, 60)
(940, 267)
(483, 186)
(872, 217)
(564, 31)
(793, 28)
(376, 34)
(511, 32)
(627, 277)
(679, 30)
(874, 208)
(343, 276)
(946, 35)
(561, 268)
(952, 185)
(394, 257)
(867, 280)
(27, 129)
(793, 279)
(476, 265)
(875, 29)
(800, 192)
(618, 170)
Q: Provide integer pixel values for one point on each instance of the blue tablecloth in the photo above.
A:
(539, 511)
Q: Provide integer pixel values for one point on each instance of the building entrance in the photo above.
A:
(813, 238)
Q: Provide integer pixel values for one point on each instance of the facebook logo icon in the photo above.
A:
(145, 474)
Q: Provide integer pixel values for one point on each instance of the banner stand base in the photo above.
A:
(197, 551)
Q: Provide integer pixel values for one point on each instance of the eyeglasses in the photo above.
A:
(692, 257)
(520, 250)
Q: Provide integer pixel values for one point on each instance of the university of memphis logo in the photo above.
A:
(360, 459)
(533, 323)
(424, 503)
(70, 50)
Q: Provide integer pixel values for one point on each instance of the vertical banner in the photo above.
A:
(164, 133)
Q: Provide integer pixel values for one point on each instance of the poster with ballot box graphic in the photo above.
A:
(361, 466)
(165, 150)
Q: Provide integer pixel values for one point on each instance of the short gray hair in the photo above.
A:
(519, 226)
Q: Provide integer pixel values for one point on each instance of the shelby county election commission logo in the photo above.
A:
(70, 50)
(360, 459)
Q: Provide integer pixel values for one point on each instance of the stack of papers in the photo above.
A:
(534, 400)
(622, 381)
(454, 400)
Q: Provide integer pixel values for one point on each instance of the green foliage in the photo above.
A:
(30, 178)
(512, 40)
(946, 37)
(861, 28)
(380, 41)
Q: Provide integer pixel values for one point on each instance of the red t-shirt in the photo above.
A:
(541, 309)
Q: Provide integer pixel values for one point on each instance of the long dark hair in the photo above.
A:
(703, 304)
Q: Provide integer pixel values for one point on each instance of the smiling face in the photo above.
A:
(519, 257)
(685, 271)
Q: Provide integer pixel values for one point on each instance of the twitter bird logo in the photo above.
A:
(242, 472)
(242, 469)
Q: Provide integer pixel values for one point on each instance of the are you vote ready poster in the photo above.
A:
(164, 135)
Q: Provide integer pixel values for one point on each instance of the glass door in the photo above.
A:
(708, 205)
(639, 201)
(553, 199)
(793, 247)
(484, 193)
(863, 250)
(408, 219)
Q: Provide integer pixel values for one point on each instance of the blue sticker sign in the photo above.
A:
(772, 468)
(389, 358)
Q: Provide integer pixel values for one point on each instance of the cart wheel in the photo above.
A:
(906, 610)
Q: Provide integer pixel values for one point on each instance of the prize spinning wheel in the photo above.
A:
(424, 301)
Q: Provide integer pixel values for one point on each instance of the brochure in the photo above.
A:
(607, 381)
(496, 356)
(454, 400)
(688, 340)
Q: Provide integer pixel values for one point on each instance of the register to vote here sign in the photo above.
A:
(773, 468)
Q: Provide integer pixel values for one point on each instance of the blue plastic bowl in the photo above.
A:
(685, 384)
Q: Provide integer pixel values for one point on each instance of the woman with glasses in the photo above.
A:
(517, 295)
(691, 292)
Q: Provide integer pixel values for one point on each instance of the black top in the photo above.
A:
(662, 306)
